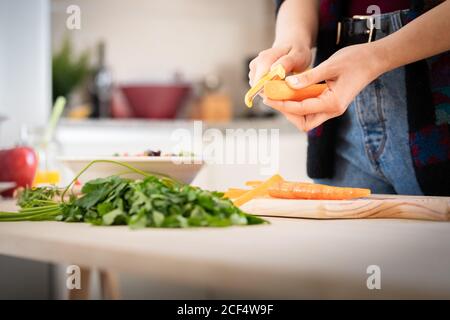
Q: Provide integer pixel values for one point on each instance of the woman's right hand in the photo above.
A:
(293, 59)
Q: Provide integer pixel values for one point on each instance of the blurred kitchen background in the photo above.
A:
(134, 72)
(160, 55)
(149, 67)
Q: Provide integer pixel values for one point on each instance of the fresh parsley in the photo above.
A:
(158, 202)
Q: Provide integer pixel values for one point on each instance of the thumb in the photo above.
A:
(309, 77)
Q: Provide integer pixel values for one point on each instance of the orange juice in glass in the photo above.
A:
(49, 170)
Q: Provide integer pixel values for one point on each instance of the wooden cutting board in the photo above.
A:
(376, 206)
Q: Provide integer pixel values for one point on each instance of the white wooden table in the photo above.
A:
(290, 258)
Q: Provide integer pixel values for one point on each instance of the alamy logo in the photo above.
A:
(375, 21)
(74, 277)
(231, 146)
(73, 21)
(374, 280)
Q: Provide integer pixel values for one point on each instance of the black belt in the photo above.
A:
(361, 29)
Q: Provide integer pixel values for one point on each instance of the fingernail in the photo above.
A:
(294, 81)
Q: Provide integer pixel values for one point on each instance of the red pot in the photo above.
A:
(155, 101)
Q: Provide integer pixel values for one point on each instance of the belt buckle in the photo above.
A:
(338, 35)
(370, 25)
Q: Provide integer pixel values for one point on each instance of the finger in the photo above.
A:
(265, 60)
(326, 102)
(262, 68)
(293, 61)
(314, 120)
(252, 69)
(251, 76)
(297, 108)
(298, 121)
(309, 122)
(283, 106)
(318, 74)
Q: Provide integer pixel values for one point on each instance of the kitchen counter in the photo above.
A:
(290, 258)
(276, 122)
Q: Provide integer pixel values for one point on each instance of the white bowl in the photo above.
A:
(183, 169)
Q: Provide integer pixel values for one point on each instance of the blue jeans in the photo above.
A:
(372, 148)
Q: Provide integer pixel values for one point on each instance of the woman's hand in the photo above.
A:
(295, 34)
(346, 73)
(290, 57)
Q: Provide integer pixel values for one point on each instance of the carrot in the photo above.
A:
(279, 90)
(253, 183)
(234, 193)
(260, 190)
(298, 190)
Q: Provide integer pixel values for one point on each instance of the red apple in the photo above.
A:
(17, 165)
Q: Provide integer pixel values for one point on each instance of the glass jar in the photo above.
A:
(49, 169)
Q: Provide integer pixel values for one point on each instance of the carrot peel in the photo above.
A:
(258, 191)
(234, 193)
(253, 183)
(276, 73)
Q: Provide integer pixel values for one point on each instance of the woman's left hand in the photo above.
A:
(346, 73)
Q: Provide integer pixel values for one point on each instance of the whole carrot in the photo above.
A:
(279, 90)
(298, 190)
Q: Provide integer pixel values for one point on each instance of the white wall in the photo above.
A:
(150, 40)
(24, 99)
(25, 88)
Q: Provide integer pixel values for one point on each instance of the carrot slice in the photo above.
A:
(298, 190)
(234, 193)
(279, 90)
(253, 183)
(260, 190)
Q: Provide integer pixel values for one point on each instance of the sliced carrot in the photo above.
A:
(234, 193)
(298, 190)
(279, 90)
(260, 190)
(253, 183)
